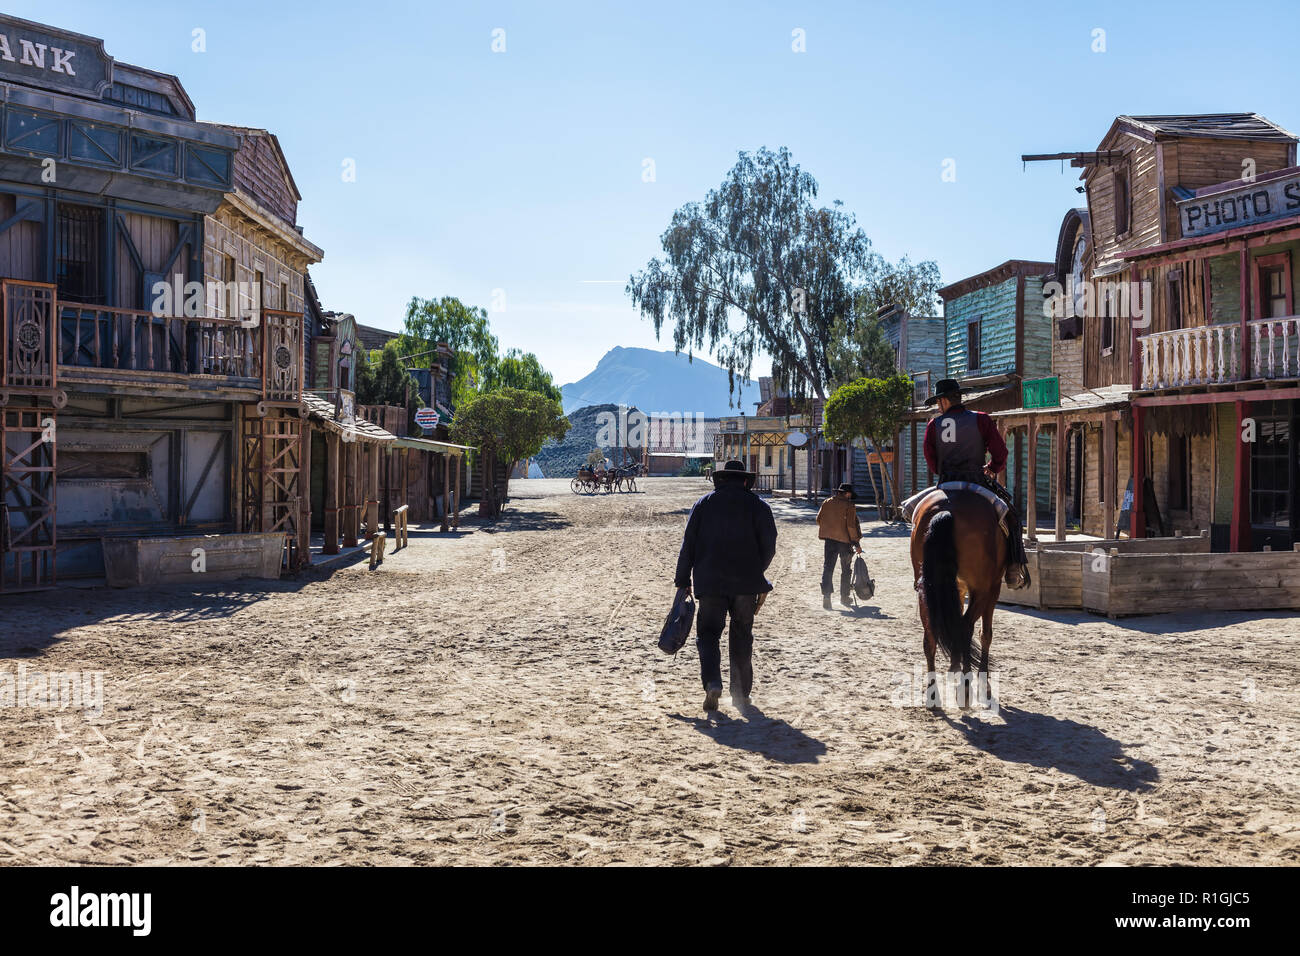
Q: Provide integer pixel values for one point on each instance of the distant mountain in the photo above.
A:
(657, 382)
(562, 459)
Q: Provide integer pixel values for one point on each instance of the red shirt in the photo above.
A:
(997, 448)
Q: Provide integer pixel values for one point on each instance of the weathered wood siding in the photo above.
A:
(1195, 162)
(997, 305)
(20, 245)
(226, 233)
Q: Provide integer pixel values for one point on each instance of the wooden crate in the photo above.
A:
(1159, 583)
(1058, 569)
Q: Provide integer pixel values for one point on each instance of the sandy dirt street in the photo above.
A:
(497, 697)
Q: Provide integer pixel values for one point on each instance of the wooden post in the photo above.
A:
(387, 508)
(1031, 502)
(373, 451)
(1108, 477)
(331, 493)
(455, 507)
(351, 494)
(916, 455)
(1138, 511)
(1019, 452)
(446, 492)
(1240, 537)
(406, 471)
(304, 492)
(1059, 444)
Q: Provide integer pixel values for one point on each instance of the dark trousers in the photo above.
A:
(711, 615)
(843, 551)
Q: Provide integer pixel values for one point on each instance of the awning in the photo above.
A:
(323, 411)
(428, 444)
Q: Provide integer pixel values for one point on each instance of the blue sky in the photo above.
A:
(521, 171)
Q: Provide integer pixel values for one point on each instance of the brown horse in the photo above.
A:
(958, 552)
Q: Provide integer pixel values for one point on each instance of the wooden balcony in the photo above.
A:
(1211, 355)
(130, 340)
(1205, 355)
(43, 340)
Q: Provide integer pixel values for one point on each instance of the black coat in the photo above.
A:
(729, 542)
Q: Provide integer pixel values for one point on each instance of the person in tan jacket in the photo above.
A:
(837, 525)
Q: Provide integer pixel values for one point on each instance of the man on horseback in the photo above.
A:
(957, 441)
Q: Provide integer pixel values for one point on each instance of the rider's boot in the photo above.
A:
(1017, 575)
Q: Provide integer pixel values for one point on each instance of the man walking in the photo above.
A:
(837, 526)
(729, 542)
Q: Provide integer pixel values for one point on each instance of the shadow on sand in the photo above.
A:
(1041, 740)
(758, 733)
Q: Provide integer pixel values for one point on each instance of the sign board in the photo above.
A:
(1041, 392)
(1260, 201)
(796, 439)
(426, 418)
(51, 59)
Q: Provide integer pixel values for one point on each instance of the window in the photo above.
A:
(1106, 305)
(1273, 286)
(79, 260)
(1122, 203)
(973, 358)
(1271, 462)
(767, 457)
(1174, 301)
(1180, 470)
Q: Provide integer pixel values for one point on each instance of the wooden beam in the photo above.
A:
(446, 492)
(1031, 500)
(1138, 512)
(351, 494)
(304, 494)
(1239, 536)
(1108, 478)
(455, 506)
(332, 471)
(1060, 445)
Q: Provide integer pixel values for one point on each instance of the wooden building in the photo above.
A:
(1179, 313)
(920, 350)
(995, 337)
(157, 331)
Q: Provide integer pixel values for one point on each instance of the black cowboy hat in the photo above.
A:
(733, 467)
(849, 488)
(945, 388)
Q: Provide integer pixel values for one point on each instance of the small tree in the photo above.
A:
(595, 457)
(507, 425)
(382, 379)
(870, 412)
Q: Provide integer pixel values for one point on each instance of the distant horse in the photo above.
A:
(959, 552)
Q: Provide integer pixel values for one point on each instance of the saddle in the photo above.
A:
(909, 506)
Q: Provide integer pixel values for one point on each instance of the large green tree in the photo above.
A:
(382, 378)
(869, 413)
(507, 425)
(464, 328)
(517, 369)
(759, 266)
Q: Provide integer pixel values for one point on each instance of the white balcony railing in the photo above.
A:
(1211, 355)
(1275, 347)
(1205, 355)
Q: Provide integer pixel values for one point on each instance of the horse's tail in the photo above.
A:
(948, 623)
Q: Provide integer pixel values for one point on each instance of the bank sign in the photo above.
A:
(1243, 205)
(53, 59)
